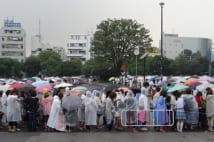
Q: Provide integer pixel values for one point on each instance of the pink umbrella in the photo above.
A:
(41, 88)
(74, 92)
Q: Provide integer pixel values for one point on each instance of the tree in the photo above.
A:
(10, 68)
(72, 67)
(50, 62)
(97, 67)
(32, 66)
(116, 40)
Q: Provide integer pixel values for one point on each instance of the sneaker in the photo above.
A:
(144, 129)
(18, 129)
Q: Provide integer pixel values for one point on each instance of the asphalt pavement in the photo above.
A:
(107, 137)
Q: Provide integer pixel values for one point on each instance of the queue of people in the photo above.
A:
(112, 109)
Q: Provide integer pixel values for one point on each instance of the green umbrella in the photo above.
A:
(31, 79)
(111, 78)
(82, 89)
(177, 88)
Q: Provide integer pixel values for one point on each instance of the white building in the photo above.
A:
(79, 47)
(38, 45)
(173, 45)
(61, 51)
(12, 41)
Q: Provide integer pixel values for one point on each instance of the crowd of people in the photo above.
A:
(118, 109)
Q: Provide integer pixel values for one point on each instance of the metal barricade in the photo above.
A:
(147, 118)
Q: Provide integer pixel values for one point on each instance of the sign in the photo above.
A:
(136, 51)
(12, 24)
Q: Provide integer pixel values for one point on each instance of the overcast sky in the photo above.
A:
(60, 18)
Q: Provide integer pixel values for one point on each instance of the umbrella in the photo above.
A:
(41, 88)
(71, 102)
(16, 85)
(111, 87)
(25, 87)
(63, 85)
(4, 87)
(125, 89)
(31, 79)
(190, 81)
(75, 92)
(111, 78)
(194, 85)
(82, 89)
(204, 86)
(177, 88)
(38, 83)
(98, 88)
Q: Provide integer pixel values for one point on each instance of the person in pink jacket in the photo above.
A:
(46, 103)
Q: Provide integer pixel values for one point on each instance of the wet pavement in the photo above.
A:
(107, 137)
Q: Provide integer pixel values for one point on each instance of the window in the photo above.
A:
(18, 32)
(2, 38)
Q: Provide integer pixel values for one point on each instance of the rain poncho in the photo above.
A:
(56, 117)
(90, 109)
(13, 109)
(210, 106)
(191, 109)
(160, 114)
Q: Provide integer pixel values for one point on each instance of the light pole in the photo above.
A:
(136, 52)
(161, 68)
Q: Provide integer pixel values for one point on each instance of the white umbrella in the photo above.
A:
(204, 86)
(4, 87)
(63, 85)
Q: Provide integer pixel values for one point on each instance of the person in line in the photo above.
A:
(180, 114)
(109, 110)
(32, 104)
(210, 109)
(90, 111)
(160, 113)
(46, 103)
(1, 111)
(56, 118)
(13, 110)
(191, 109)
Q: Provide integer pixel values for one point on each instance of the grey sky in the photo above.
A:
(60, 18)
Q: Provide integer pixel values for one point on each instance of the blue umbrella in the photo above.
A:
(38, 83)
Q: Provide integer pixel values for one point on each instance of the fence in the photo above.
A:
(147, 118)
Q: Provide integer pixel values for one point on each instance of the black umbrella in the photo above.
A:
(26, 87)
(70, 103)
(111, 87)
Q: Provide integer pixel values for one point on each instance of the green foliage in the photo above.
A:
(97, 66)
(72, 67)
(10, 68)
(50, 62)
(32, 66)
(116, 39)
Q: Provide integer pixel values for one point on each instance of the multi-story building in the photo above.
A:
(38, 45)
(12, 41)
(173, 45)
(79, 47)
(61, 51)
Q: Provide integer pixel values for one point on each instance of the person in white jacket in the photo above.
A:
(90, 110)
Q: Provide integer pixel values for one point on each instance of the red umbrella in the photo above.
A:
(16, 85)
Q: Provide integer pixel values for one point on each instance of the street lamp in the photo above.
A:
(136, 52)
(161, 5)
